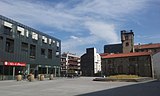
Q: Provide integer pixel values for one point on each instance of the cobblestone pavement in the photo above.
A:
(83, 86)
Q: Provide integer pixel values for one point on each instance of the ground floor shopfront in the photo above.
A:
(9, 70)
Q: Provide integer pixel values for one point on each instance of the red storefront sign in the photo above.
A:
(14, 63)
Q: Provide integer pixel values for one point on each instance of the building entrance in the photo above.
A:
(9, 70)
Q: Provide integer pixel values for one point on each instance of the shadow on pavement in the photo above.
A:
(142, 89)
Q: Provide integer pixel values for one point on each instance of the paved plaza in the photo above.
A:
(83, 86)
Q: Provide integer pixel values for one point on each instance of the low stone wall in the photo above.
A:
(124, 80)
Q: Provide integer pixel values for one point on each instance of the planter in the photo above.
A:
(41, 77)
(30, 77)
(19, 77)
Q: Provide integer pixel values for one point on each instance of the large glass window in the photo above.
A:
(24, 47)
(49, 53)
(9, 45)
(43, 51)
(33, 51)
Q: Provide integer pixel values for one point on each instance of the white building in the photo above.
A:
(97, 63)
(156, 65)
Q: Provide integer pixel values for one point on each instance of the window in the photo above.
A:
(57, 54)
(50, 41)
(1, 42)
(126, 37)
(53, 41)
(27, 33)
(33, 51)
(49, 53)
(24, 47)
(34, 36)
(20, 31)
(44, 39)
(9, 45)
(7, 30)
(43, 51)
(127, 44)
(58, 44)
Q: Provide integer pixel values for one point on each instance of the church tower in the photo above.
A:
(127, 39)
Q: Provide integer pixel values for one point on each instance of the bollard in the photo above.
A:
(30, 77)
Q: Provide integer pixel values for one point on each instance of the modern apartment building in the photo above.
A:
(70, 64)
(24, 49)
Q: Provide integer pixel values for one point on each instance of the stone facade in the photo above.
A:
(127, 39)
(135, 65)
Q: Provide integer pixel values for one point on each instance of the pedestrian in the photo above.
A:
(24, 76)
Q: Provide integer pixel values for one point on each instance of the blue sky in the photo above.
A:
(81, 24)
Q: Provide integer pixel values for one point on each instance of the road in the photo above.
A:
(83, 86)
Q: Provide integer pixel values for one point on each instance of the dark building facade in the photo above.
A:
(24, 49)
(113, 48)
(90, 62)
(87, 62)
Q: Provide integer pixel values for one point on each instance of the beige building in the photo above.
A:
(70, 64)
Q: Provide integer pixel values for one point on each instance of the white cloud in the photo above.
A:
(74, 37)
(103, 30)
(92, 17)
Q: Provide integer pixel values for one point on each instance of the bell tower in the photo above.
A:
(127, 39)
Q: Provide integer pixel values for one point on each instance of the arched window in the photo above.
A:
(127, 44)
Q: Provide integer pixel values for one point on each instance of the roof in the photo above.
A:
(145, 46)
(126, 55)
(103, 54)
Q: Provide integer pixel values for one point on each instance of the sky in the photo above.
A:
(81, 24)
